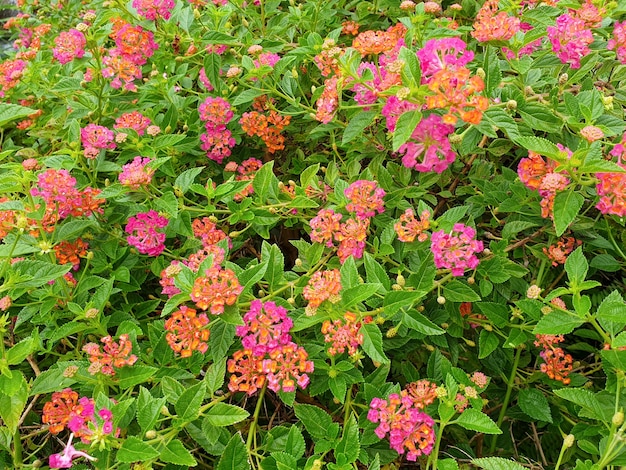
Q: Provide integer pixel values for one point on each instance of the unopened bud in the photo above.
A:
(480, 72)
(563, 79)
(455, 138)
(618, 418)
(441, 300)
(298, 262)
(396, 287)
(291, 301)
(568, 441)
(471, 280)
(151, 434)
(511, 104)
(469, 342)
(400, 280)
(391, 332)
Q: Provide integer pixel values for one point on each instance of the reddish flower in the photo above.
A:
(137, 173)
(343, 334)
(216, 289)
(69, 45)
(71, 252)
(366, 198)
(408, 227)
(133, 120)
(58, 411)
(113, 355)
(323, 285)
(187, 332)
(456, 250)
(492, 26)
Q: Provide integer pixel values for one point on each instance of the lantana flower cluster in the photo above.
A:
(456, 250)
(69, 45)
(267, 124)
(269, 355)
(401, 416)
(557, 364)
(113, 355)
(344, 334)
(218, 140)
(145, 232)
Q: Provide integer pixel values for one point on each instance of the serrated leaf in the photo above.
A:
(576, 267)
(357, 294)
(265, 182)
(406, 124)
(185, 179)
(488, 342)
(135, 450)
(222, 336)
(581, 397)
(13, 112)
(315, 420)
(418, 322)
(456, 291)
(475, 420)
(349, 445)
(148, 409)
(131, 376)
(567, 205)
(357, 124)
(396, 300)
(50, 380)
(557, 322)
(214, 376)
(447, 464)
(176, 453)
(234, 455)
(373, 342)
(535, 404)
(188, 404)
(37, 273)
(540, 145)
(223, 414)
(295, 444)
(17, 353)
(497, 463)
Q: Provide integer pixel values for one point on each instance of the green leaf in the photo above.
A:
(167, 202)
(316, 421)
(148, 409)
(214, 377)
(246, 96)
(375, 272)
(176, 453)
(185, 179)
(265, 182)
(373, 342)
(447, 464)
(135, 450)
(491, 66)
(456, 291)
(540, 118)
(407, 122)
(12, 406)
(188, 404)
(131, 376)
(234, 455)
(275, 272)
(567, 204)
(295, 444)
(13, 112)
(581, 397)
(357, 125)
(349, 274)
(557, 322)
(396, 300)
(488, 342)
(535, 404)
(223, 414)
(411, 71)
(50, 380)
(37, 273)
(475, 420)
(576, 267)
(72, 228)
(418, 322)
(497, 463)
(349, 445)
(357, 294)
(540, 145)
(16, 354)
(222, 337)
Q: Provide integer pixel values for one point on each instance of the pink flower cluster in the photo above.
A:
(69, 45)
(112, 356)
(343, 334)
(217, 141)
(136, 173)
(328, 102)
(429, 148)
(154, 9)
(410, 429)
(570, 39)
(145, 232)
(133, 120)
(538, 174)
(351, 235)
(440, 54)
(95, 138)
(611, 188)
(58, 190)
(492, 26)
(456, 250)
(618, 41)
(11, 72)
(269, 355)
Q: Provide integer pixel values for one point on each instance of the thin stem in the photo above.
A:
(507, 397)
(255, 419)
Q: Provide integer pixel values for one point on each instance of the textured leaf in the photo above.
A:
(357, 124)
(13, 112)
(316, 421)
(576, 266)
(135, 450)
(295, 444)
(148, 409)
(356, 294)
(456, 291)
(407, 122)
(373, 343)
(349, 444)
(475, 420)
(557, 323)
(540, 145)
(188, 404)
(185, 179)
(581, 397)
(418, 322)
(215, 374)
(223, 414)
(265, 182)
(534, 404)
(176, 453)
(131, 376)
(497, 463)
(222, 336)
(234, 456)
(567, 204)
(488, 342)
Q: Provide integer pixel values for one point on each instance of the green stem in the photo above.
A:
(507, 397)
(17, 449)
(434, 456)
(255, 419)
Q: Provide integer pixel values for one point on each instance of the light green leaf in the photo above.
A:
(349, 445)
(488, 342)
(534, 404)
(223, 414)
(235, 455)
(456, 291)
(135, 450)
(407, 122)
(148, 409)
(295, 444)
(13, 112)
(188, 404)
(475, 420)
(373, 342)
(316, 421)
(265, 182)
(576, 267)
(540, 145)
(567, 204)
(418, 322)
(214, 377)
(185, 179)
(357, 125)
(357, 294)
(557, 322)
(497, 463)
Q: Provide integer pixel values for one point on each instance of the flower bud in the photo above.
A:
(618, 418)
(568, 441)
(441, 300)
(563, 79)
(391, 332)
(151, 434)
(480, 72)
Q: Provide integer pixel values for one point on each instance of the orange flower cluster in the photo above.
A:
(267, 127)
(58, 411)
(328, 60)
(113, 355)
(558, 253)
(187, 332)
(458, 93)
(557, 365)
(7, 220)
(323, 285)
(344, 335)
(350, 27)
(216, 289)
(408, 227)
(378, 42)
(493, 26)
(71, 252)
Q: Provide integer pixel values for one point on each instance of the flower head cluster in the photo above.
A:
(62, 198)
(145, 232)
(266, 126)
(269, 355)
(618, 41)
(383, 76)
(377, 42)
(458, 92)
(408, 228)
(154, 9)
(206, 230)
(70, 252)
(328, 60)
(133, 47)
(492, 26)
(590, 14)
(351, 235)
(611, 187)
(323, 285)
(218, 140)
(443, 53)
(343, 335)
(429, 148)
(94, 138)
(456, 250)
(557, 364)
(393, 108)
(558, 252)
(11, 72)
(113, 355)
(410, 430)
(245, 172)
(133, 120)
(69, 45)
(187, 332)
(328, 102)
(350, 27)
(366, 198)
(570, 39)
(215, 289)
(538, 174)
(137, 173)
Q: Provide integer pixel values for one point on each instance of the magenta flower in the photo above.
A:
(69, 45)
(136, 173)
(65, 458)
(266, 328)
(445, 53)
(94, 138)
(456, 250)
(430, 142)
(570, 39)
(393, 109)
(153, 9)
(366, 198)
(618, 41)
(144, 232)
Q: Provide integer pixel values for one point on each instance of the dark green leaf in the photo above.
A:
(357, 125)
(557, 322)
(456, 291)
(235, 455)
(188, 404)
(223, 414)
(373, 343)
(534, 404)
(176, 453)
(135, 450)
